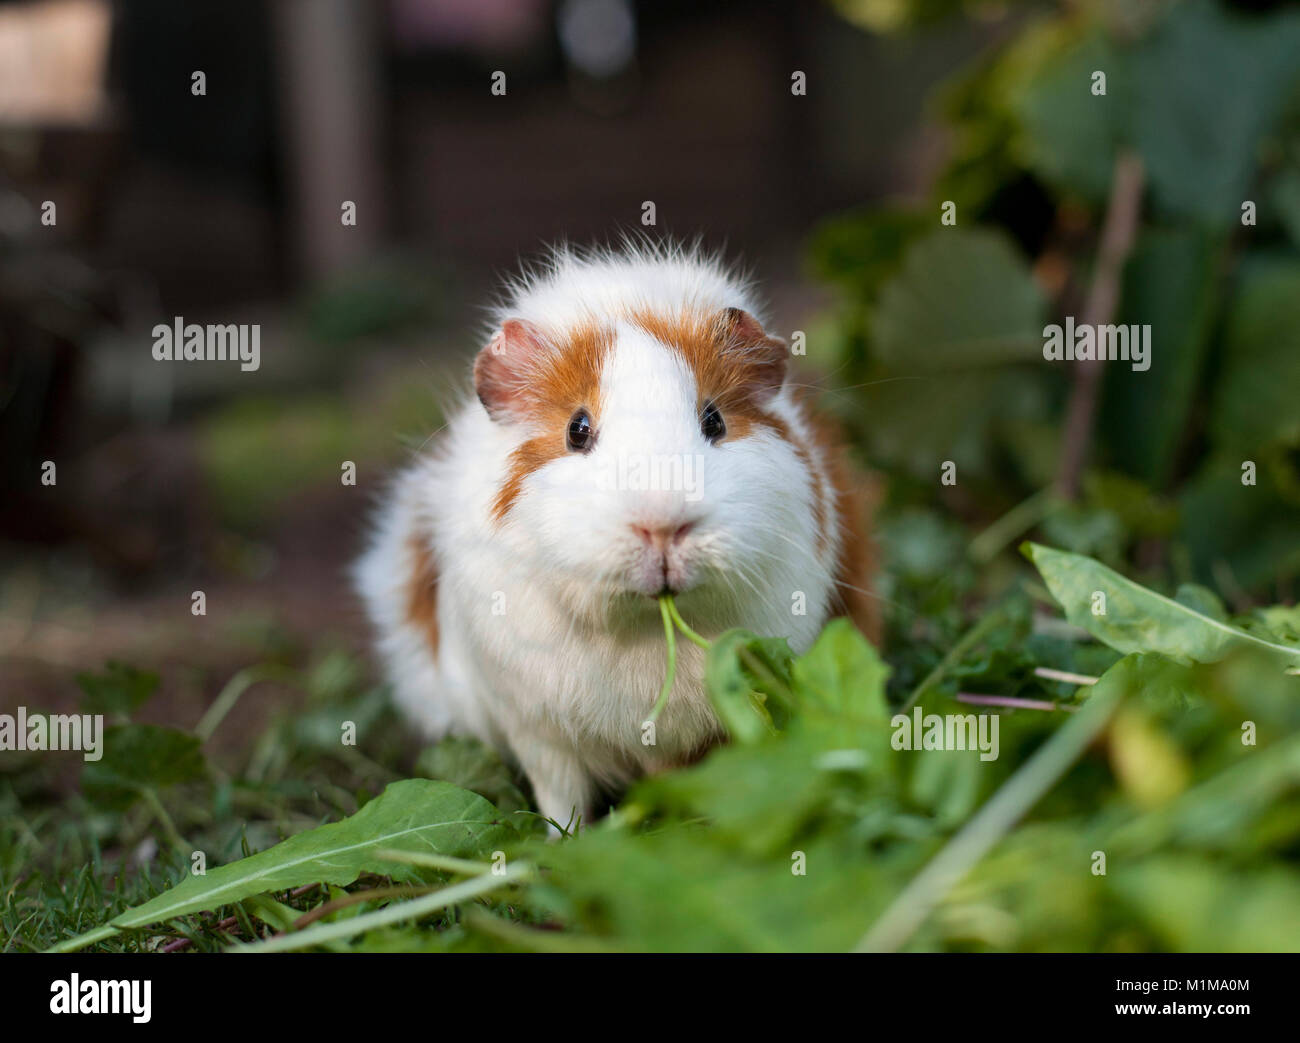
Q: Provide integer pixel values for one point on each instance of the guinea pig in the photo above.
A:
(632, 434)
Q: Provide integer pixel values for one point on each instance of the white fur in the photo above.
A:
(564, 679)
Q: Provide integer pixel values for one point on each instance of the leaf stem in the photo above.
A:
(680, 623)
(1012, 702)
(1119, 230)
(670, 635)
(1063, 675)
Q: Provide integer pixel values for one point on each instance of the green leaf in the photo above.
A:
(1203, 600)
(120, 689)
(1148, 764)
(1137, 619)
(947, 783)
(748, 682)
(842, 675)
(860, 249)
(140, 756)
(1221, 813)
(1256, 400)
(1065, 133)
(1282, 622)
(416, 815)
(1197, 907)
(474, 766)
(1142, 512)
(318, 728)
(1199, 135)
(1248, 530)
(910, 422)
(759, 791)
(963, 299)
(713, 899)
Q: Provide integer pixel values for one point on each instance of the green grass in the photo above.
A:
(68, 864)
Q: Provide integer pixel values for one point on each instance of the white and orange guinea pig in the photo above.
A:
(633, 434)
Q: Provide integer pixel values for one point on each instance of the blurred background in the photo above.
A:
(223, 205)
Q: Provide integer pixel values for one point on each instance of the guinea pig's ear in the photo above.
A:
(763, 358)
(504, 369)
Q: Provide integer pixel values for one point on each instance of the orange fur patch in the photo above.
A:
(566, 379)
(856, 495)
(422, 591)
(732, 374)
(818, 488)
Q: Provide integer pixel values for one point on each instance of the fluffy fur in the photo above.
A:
(511, 580)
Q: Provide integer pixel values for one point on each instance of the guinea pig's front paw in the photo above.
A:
(564, 817)
(568, 825)
(561, 788)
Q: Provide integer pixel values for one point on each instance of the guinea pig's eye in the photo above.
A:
(711, 422)
(580, 435)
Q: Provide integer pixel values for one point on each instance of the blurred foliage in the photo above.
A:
(892, 15)
(310, 436)
(938, 329)
(1155, 809)
(380, 299)
(337, 329)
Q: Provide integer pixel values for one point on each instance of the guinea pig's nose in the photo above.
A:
(661, 537)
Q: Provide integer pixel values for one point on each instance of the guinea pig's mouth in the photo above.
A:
(707, 600)
(652, 593)
(654, 579)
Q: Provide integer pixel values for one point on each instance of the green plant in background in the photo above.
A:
(941, 328)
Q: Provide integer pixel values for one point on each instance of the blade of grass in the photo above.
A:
(229, 695)
(680, 623)
(670, 635)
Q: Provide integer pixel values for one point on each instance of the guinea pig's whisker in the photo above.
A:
(845, 584)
